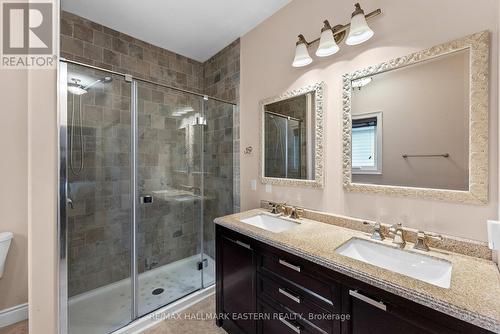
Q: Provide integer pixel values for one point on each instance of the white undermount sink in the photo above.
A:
(270, 223)
(422, 267)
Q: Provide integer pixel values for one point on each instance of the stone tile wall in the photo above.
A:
(222, 80)
(219, 169)
(91, 43)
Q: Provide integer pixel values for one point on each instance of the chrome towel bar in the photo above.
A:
(445, 155)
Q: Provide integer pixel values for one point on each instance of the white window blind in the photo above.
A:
(363, 147)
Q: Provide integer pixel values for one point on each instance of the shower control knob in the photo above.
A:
(148, 199)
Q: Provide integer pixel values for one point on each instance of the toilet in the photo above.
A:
(5, 239)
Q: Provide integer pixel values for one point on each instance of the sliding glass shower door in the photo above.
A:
(170, 176)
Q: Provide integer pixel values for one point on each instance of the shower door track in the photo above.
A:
(130, 77)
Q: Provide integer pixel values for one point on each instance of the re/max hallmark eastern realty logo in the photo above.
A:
(27, 35)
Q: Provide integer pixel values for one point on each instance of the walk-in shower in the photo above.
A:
(144, 170)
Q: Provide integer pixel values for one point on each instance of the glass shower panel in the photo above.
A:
(218, 181)
(99, 202)
(296, 147)
(276, 131)
(169, 187)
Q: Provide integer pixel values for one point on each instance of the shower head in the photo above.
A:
(76, 88)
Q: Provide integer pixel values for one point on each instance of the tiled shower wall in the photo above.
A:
(168, 229)
(91, 43)
(222, 80)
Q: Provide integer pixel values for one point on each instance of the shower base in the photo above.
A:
(109, 307)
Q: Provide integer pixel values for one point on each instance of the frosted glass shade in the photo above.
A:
(327, 45)
(359, 31)
(302, 57)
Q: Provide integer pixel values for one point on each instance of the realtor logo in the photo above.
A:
(27, 35)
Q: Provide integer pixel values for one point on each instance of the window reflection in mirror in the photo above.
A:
(424, 140)
(367, 143)
(288, 138)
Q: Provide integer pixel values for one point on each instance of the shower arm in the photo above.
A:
(92, 84)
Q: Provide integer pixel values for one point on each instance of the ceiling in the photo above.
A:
(197, 29)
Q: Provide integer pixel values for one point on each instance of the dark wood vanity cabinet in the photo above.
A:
(264, 290)
(236, 281)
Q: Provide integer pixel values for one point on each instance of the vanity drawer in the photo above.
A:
(297, 300)
(298, 271)
(281, 321)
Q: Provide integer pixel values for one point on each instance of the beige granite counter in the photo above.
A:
(474, 294)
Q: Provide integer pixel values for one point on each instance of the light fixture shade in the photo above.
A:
(327, 45)
(302, 57)
(359, 31)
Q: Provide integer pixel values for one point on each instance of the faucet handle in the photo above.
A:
(376, 234)
(296, 213)
(274, 207)
(277, 207)
(422, 237)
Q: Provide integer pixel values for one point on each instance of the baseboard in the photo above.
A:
(13, 314)
(158, 316)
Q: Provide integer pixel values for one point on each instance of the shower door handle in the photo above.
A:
(148, 199)
(70, 203)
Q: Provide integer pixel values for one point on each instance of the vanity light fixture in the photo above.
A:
(359, 32)
(327, 45)
(302, 57)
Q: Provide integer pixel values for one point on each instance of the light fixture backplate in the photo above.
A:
(339, 37)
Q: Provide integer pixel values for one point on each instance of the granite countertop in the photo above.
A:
(474, 294)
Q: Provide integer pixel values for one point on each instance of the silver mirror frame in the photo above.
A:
(318, 181)
(478, 45)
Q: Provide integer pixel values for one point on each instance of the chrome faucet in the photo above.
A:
(396, 231)
(422, 237)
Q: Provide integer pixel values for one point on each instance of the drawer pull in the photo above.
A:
(368, 300)
(289, 295)
(289, 265)
(295, 328)
(242, 244)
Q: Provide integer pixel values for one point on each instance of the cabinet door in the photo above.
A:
(371, 316)
(237, 282)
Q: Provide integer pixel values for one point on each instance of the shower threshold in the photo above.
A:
(105, 309)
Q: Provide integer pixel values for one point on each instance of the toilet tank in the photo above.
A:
(5, 239)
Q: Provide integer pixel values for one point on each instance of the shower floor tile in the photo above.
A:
(107, 308)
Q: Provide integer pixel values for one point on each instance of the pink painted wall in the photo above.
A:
(403, 28)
